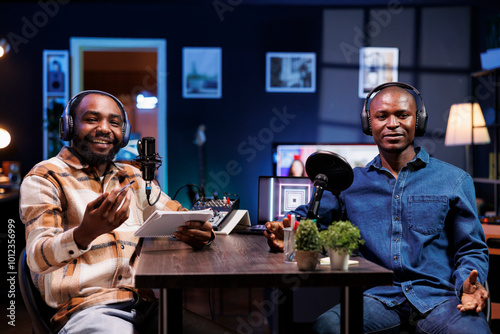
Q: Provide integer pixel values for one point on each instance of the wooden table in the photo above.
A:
(242, 261)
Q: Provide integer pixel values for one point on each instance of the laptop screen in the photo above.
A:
(279, 195)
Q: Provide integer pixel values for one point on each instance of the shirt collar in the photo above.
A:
(420, 160)
(70, 157)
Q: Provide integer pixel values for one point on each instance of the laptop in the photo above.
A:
(281, 194)
(278, 195)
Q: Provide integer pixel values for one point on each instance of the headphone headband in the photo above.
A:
(421, 122)
(66, 123)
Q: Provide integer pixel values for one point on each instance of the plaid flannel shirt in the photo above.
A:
(54, 196)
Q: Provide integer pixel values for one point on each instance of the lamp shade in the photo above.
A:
(460, 126)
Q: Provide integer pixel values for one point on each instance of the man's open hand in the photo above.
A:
(474, 295)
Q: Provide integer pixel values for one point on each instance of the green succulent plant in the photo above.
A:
(342, 236)
(307, 237)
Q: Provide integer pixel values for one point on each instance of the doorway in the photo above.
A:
(133, 70)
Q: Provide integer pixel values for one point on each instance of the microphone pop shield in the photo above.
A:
(337, 170)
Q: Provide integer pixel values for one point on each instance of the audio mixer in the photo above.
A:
(222, 208)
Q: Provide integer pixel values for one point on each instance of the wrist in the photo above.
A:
(81, 238)
(212, 238)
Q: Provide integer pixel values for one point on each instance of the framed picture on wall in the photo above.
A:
(55, 97)
(57, 71)
(376, 66)
(202, 72)
(291, 72)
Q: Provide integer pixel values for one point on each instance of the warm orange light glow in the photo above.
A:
(4, 47)
(4, 138)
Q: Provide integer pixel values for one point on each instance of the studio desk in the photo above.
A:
(244, 261)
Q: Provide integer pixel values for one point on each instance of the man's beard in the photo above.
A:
(90, 157)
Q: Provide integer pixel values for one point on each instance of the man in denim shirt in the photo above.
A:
(418, 218)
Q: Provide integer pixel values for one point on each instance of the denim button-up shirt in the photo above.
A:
(423, 225)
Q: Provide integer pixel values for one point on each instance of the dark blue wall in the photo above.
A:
(439, 64)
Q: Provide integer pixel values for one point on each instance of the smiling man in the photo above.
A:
(99, 131)
(80, 239)
(417, 216)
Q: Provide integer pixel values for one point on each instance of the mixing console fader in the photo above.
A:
(222, 209)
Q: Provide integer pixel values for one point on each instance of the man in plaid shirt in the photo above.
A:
(81, 246)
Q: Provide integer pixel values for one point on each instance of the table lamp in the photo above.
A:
(466, 126)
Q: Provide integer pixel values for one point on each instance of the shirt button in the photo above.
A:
(120, 277)
(71, 252)
(396, 197)
(396, 218)
(122, 247)
(395, 258)
(396, 239)
(407, 289)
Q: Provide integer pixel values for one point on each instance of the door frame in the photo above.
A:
(78, 45)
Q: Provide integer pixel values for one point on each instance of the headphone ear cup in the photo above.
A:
(126, 132)
(126, 126)
(66, 127)
(421, 125)
(365, 121)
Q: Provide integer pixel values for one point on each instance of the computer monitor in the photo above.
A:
(279, 195)
(358, 155)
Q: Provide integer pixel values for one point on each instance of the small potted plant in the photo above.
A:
(341, 238)
(307, 245)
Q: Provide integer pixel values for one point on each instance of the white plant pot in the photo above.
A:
(338, 261)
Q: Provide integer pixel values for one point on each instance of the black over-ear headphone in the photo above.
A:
(66, 121)
(421, 123)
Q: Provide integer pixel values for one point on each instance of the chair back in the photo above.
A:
(39, 312)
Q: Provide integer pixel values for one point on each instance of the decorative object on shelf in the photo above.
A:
(12, 169)
(491, 58)
(341, 238)
(307, 245)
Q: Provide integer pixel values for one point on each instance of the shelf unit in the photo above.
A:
(485, 158)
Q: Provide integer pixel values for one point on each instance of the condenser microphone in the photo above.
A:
(328, 171)
(320, 183)
(149, 162)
